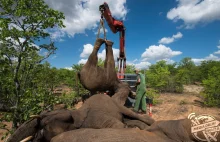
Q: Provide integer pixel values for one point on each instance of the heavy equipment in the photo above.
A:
(115, 26)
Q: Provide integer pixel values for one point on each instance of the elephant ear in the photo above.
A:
(79, 116)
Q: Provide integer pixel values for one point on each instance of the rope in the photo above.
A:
(101, 25)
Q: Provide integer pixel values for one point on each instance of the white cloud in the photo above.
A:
(139, 64)
(218, 47)
(167, 40)
(82, 61)
(193, 12)
(102, 54)
(142, 65)
(87, 50)
(68, 68)
(169, 61)
(57, 34)
(198, 61)
(159, 53)
(217, 52)
(84, 14)
(210, 57)
(178, 35)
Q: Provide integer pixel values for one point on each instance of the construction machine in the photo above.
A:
(115, 26)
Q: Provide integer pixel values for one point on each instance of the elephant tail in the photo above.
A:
(29, 128)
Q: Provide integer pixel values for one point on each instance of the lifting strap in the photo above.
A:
(101, 25)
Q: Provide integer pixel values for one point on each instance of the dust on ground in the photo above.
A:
(177, 106)
(173, 106)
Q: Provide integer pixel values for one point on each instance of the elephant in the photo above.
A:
(160, 131)
(104, 113)
(95, 78)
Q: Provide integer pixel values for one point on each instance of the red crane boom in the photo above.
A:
(116, 26)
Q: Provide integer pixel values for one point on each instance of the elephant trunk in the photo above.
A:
(27, 129)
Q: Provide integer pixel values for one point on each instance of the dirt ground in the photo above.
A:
(173, 106)
(177, 106)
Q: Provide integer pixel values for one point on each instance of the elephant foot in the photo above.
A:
(98, 43)
(109, 43)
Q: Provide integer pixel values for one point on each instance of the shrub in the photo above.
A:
(211, 85)
(153, 94)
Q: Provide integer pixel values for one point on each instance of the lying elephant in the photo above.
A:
(99, 111)
(95, 78)
(161, 131)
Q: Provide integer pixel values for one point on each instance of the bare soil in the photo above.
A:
(178, 106)
(173, 106)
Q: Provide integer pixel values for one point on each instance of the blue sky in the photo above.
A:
(155, 30)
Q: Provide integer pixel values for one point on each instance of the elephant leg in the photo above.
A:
(106, 56)
(109, 62)
(131, 114)
(136, 123)
(93, 59)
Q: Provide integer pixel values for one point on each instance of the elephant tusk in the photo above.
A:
(35, 116)
(27, 139)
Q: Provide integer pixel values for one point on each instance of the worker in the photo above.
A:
(140, 103)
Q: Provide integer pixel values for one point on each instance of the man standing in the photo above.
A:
(140, 103)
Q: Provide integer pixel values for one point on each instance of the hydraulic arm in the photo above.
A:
(116, 26)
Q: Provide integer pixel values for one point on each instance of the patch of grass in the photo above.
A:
(183, 102)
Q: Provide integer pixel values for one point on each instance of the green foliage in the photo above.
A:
(66, 99)
(153, 94)
(212, 87)
(101, 62)
(161, 77)
(22, 23)
(130, 69)
(188, 71)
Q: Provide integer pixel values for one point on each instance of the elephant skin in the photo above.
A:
(160, 131)
(109, 135)
(104, 113)
(95, 78)
(29, 128)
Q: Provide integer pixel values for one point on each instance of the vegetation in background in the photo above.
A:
(27, 83)
(22, 24)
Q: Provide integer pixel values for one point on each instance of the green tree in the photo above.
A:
(205, 67)
(211, 87)
(188, 69)
(22, 23)
(157, 76)
(130, 69)
(164, 77)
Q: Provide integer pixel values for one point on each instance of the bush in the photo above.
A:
(153, 94)
(66, 99)
(162, 78)
(211, 85)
